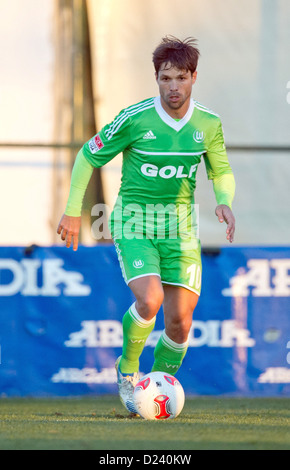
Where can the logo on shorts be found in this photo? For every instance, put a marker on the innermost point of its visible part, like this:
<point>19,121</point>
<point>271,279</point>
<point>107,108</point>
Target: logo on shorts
<point>138,263</point>
<point>198,136</point>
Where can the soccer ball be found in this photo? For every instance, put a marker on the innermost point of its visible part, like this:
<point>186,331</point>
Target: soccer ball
<point>158,396</point>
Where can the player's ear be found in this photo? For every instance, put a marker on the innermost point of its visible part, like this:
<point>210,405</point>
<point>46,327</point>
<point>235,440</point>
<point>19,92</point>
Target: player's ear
<point>194,76</point>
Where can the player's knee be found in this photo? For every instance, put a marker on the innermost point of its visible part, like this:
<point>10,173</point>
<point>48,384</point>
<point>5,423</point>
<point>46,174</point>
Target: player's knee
<point>178,330</point>
<point>149,304</point>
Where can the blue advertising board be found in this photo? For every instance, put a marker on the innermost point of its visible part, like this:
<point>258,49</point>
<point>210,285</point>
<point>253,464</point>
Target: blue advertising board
<point>61,323</point>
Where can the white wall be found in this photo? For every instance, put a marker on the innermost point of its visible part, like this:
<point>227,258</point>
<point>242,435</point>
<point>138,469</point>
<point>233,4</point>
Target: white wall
<point>26,115</point>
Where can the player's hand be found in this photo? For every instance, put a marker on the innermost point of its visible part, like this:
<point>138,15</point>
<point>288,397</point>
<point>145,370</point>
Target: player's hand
<point>69,228</point>
<point>224,214</point>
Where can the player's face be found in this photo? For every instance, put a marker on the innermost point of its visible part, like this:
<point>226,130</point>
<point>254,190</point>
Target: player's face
<point>175,89</point>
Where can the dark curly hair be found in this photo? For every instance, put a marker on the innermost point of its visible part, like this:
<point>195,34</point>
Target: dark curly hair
<point>183,55</point>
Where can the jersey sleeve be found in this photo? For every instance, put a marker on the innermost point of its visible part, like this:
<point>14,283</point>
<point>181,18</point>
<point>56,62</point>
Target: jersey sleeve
<point>216,159</point>
<point>81,175</point>
<point>224,188</point>
<point>218,168</point>
<point>110,141</point>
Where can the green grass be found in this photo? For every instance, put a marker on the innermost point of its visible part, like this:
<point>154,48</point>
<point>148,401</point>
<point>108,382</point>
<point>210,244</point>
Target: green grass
<point>102,423</point>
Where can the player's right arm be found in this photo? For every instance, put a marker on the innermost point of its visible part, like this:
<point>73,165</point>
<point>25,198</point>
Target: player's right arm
<point>70,223</point>
<point>99,150</point>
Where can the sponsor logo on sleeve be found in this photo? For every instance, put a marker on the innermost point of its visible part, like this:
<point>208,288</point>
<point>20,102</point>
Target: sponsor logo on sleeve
<point>96,144</point>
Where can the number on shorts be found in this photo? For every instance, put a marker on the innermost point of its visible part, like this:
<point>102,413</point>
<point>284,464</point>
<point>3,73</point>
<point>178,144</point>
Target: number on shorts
<point>195,276</point>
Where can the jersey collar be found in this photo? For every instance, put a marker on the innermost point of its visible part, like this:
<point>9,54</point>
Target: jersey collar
<point>177,125</point>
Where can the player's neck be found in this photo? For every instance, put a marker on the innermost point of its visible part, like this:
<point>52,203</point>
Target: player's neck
<point>175,113</point>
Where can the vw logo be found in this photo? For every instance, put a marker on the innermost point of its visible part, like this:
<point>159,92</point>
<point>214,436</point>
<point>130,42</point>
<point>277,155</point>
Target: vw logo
<point>198,136</point>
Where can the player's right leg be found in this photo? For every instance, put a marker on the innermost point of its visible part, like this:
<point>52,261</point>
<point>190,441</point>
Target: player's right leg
<point>139,321</point>
<point>136,329</point>
<point>140,267</point>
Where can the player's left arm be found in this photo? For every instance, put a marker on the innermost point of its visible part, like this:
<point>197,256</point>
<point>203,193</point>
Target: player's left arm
<point>224,189</point>
<point>220,172</point>
<point>225,214</point>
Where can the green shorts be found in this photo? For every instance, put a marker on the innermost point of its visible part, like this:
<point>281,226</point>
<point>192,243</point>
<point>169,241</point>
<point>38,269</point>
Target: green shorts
<point>176,261</point>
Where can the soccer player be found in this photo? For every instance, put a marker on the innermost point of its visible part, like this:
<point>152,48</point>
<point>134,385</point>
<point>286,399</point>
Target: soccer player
<point>163,139</point>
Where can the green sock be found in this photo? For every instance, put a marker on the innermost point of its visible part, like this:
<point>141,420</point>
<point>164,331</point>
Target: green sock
<point>168,355</point>
<point>135,333</point>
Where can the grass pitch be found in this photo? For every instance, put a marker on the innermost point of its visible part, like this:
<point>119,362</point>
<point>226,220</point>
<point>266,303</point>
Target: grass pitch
<point>102,423</point>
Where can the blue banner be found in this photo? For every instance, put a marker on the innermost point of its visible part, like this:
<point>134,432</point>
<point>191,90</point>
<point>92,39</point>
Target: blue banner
<point>61,323</point>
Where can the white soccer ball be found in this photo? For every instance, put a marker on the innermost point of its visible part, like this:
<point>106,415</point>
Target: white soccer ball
<point>158,396</point>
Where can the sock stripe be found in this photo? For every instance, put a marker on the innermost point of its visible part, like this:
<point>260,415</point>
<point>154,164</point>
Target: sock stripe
<point>170,344</point>
<point>141,322</point>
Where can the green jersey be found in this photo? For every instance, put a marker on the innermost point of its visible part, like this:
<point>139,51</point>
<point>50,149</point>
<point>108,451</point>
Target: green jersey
<point>160,155</point>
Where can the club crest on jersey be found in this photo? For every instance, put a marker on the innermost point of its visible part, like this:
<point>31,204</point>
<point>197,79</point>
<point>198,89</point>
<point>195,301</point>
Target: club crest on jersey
<point>96,144</point>
<point>198,136</point>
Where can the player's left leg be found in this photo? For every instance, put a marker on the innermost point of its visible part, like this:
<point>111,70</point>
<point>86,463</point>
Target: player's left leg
<point>179,304</point>
<point>180,263</point>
